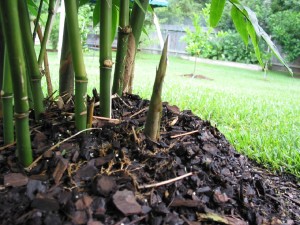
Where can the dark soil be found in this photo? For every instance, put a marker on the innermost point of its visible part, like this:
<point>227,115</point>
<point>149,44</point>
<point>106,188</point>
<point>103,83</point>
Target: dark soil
<point>112,175</point>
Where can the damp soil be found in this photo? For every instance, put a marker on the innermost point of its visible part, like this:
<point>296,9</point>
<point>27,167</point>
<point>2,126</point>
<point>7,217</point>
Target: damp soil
<point>115,175</point>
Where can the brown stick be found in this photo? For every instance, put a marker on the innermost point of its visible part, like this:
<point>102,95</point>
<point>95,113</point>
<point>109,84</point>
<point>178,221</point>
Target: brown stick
<point>165,182</point>
<point>7,146</point>
<point>184,134</point>
<point>137,113</point>
<point>46,64</point>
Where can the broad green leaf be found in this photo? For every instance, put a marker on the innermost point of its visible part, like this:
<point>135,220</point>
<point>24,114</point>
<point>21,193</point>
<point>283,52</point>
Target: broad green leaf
<point>274,49</point>
<point>261,33</point>
<point>96,14</point>
<point>216,10</point>
<point>32,7</point>
<point>150,9</point>
<point>83,2</point>
<point>254,40</point>
<point>115,21</point>
<point>240,23</point>
<point>140,5</point>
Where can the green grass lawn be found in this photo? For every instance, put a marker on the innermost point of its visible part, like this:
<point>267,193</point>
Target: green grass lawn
<point>261,118</point>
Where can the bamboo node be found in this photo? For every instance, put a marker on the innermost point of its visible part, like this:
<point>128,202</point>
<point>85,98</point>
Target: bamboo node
<point>83,113</point>
<point>21,115</point>
<point>6,96</point>
<point>108,63</point>
<point>81,81</point>
<point>36,79</point>
<point>125,30</point>
<point>25,98</point>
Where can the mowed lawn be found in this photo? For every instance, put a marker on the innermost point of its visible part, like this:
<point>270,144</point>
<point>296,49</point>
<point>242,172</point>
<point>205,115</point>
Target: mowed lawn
<point>261,118</point>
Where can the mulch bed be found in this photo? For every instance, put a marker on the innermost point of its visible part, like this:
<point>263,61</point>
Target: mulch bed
<point>115,175</point>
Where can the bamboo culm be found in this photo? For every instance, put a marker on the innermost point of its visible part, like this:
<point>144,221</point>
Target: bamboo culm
<point>12,31</point>
<point>78,64</point>
<point>152,126</point>
<point>32,64</point>
<point>7,103</point>
<point>123,33</point>
<point>66,70</point>
<point>105,57</point>
<point>46,32</point>
<point>136,22</point>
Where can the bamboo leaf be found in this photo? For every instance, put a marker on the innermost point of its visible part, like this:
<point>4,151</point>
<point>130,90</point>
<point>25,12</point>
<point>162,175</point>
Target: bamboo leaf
<point>216,10</point>
<point>254,40</point>
<point>32,7</point>
<point>261,33</point>
<point>240,23</point>
<point>115,21</point>
<point>83,2</point>
<point>96,14</point>
<point>140,5</point>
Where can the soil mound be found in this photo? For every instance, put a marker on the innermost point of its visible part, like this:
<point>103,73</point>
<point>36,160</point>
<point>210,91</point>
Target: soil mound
<point>115,175</point>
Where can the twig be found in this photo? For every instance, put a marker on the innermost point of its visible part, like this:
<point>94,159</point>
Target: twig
<point>135,136</point>
<point>117,96</point>
<point>184,134</point>
<point>165,182</point>
<point>107,119</point>
<point>186,220</point>
<point>56,145</point>
<point>293,200</point>
<point>137,220</point>
<point>7,146</point>
<point>142,110</point>
<point>121,221</point>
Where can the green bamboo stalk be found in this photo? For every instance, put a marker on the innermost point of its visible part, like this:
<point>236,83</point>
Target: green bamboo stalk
<point>37,19</point>
<point>152,126</point>
<point>66,71</point>
<point>1,56</point>
<point>46,65</point>
<point>7,103</point>
<point>12,31</point>
<point>78,63</point>
<point>105,57</point>
<point>32,64</point>
<point>136,21</point>
<point>46,32</point>
<point>124,30</point>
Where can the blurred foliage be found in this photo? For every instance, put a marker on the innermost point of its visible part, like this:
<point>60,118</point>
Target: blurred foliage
<point>227,45</point>
<point>284,26</point>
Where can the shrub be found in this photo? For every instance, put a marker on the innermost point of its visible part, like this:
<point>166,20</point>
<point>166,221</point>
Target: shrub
<point>284,27</point>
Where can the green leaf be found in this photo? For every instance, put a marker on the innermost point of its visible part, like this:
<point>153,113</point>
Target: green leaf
<point>261,33</point>
<point>96,14</point>
<point>150,9</point>
<point>32,7</point>
<point>115,21</point>
<point>240,23</point>
<point>83,2</point>
<point>216,10</point>
<point>140,5</point>
<point>254,40</point>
